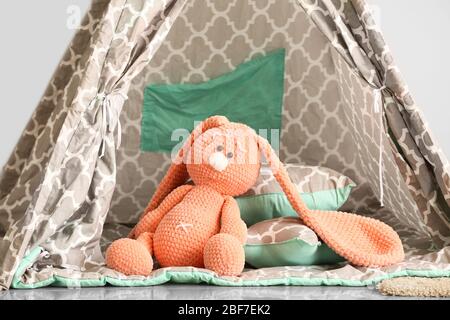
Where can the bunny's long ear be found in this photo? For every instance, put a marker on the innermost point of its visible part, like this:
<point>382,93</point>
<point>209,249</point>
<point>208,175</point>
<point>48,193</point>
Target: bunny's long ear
<point>177,174</point>
<point>282,177</point>
<point>362,241</point>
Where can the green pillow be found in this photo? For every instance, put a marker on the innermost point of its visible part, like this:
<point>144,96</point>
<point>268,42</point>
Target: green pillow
<point>251,94</point>
<point>319,187</point>
<point>286,242</point>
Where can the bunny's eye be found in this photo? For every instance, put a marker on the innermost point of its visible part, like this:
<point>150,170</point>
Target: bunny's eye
<point>230,155</point>
<point>219,148</point>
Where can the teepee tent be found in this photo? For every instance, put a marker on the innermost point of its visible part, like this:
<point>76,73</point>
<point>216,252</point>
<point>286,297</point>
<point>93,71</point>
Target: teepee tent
<point>78,178</point>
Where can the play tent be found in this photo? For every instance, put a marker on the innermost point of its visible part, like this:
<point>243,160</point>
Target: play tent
<point>66,192</point>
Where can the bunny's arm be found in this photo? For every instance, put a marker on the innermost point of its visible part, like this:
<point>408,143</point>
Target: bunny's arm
<point>231,222</point>
<point>151,219</point>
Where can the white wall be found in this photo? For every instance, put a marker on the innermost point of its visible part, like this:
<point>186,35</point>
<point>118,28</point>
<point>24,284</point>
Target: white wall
<point>418,33</point>
<point>34,35</point>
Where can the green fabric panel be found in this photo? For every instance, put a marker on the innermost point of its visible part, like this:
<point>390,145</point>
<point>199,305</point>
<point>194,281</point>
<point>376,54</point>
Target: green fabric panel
<point>251,94</point>
<point>295,252</point>
<point>269,206</point>
<point>197,277</point>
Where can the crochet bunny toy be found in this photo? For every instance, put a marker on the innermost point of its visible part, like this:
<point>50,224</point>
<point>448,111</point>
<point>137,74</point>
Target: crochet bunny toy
<point>199,225</point>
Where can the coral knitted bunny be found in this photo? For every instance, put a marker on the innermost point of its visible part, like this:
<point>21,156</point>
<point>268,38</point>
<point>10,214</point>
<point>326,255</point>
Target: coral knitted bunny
<point>199,225</point>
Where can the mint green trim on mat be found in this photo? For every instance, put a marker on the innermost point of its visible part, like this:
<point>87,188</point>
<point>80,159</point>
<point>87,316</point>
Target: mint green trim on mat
<point>199,277</point>
<point>24,264</point>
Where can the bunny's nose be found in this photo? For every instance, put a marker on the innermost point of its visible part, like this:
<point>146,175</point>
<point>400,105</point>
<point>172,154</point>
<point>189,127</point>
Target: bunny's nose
<point>218,161</point>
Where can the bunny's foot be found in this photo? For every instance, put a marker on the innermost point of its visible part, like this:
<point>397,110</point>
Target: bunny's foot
<point>224,254</point>
<point>131,257</point>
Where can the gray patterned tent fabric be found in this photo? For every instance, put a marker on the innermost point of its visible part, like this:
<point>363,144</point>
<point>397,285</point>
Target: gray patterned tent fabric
<point>57,194</point>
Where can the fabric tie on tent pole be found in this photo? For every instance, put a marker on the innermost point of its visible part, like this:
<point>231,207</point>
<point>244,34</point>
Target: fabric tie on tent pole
<point>378,108</point>
<point>110,108</point>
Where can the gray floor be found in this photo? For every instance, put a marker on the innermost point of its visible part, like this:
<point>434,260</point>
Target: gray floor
<point>196,292</point>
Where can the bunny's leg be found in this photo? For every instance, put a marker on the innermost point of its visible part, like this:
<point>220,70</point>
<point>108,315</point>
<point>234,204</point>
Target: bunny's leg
<point>224,252</point>
<point>134,257</point>
<point>131,257</point>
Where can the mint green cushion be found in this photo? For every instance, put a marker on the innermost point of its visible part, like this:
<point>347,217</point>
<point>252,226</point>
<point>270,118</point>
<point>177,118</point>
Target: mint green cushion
<point>251,94</point>
<point>286,242</point>
<point>256,208</point>
<point>294,252</point>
